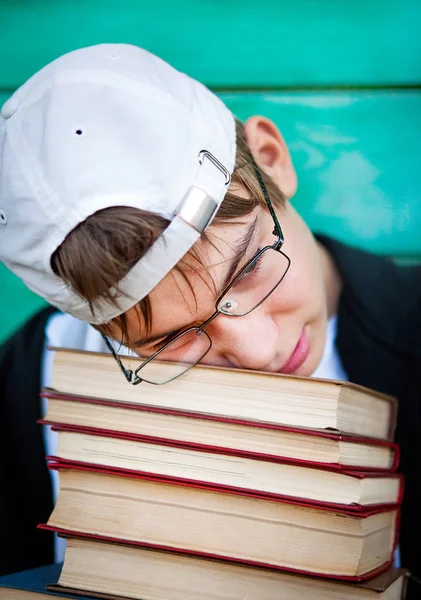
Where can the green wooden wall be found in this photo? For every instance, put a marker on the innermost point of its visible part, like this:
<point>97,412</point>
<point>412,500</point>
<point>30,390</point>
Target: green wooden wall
<point>341,78</point>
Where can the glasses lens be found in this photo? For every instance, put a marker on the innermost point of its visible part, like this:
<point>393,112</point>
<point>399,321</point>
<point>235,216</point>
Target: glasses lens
<point>255,283</point>
<point>176,358</point>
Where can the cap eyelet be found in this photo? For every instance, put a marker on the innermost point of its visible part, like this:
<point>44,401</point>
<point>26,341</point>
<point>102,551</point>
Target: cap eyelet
<point>3,218</point>
<point>79,132</point>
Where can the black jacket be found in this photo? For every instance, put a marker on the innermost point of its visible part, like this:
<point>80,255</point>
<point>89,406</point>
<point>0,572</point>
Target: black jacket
<point>25,483</point>
<point>379,341</point>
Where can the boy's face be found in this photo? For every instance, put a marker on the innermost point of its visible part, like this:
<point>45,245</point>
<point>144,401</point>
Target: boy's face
<point>285,334</point>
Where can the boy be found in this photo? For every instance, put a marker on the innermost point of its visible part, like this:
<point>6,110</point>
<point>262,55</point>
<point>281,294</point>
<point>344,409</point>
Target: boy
<point>132,200</point>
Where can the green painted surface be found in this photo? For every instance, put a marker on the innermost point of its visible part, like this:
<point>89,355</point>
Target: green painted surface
<point>17,303</point>
<point>358,159</point>
<point>235,43</point>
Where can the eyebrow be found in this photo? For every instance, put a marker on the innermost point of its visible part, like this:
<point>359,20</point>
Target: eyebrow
<point>241,251</point>
<point>154,338</point>
<point>243,246</point>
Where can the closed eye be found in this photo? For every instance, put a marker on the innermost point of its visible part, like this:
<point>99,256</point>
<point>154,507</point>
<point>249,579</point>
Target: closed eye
<point>251,269</point>
<point>146,349</point>
<point>149,350</point>
<point>171,338</point>
<point>158,345</point>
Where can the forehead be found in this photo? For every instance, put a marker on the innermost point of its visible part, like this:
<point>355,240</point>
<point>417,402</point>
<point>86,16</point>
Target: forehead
<point>189,292</point>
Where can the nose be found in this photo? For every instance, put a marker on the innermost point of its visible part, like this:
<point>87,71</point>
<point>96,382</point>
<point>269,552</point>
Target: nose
<point>247,342</point>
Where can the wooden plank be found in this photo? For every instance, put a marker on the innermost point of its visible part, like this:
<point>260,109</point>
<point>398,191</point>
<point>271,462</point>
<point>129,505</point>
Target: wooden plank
<point>240,43</point>
<point>358,159</point>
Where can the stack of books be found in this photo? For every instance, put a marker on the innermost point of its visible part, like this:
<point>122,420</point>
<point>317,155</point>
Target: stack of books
<point>223,484</point>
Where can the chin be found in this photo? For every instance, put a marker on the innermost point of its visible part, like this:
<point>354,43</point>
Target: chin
<point>310,364</point>
<point>305,370</point>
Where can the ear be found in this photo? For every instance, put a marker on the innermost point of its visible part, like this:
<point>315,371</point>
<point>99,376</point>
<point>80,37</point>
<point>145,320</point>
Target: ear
<point>271,153</point>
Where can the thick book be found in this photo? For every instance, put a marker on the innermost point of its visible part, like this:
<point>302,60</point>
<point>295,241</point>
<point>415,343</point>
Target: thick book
<point>244,527</point>
<point>234,393</point>
<point>122,572</point>
<point>32,585</point>
<point>268,477</point>
<point>156,575</point>
<point>323,448</point>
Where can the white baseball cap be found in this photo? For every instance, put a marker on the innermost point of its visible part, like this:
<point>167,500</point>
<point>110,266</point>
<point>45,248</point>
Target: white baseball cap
<point>109,125</point>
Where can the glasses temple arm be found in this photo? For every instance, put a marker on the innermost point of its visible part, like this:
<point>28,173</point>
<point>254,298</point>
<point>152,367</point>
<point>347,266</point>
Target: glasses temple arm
<point>278,230</point>
<point>128,373</point>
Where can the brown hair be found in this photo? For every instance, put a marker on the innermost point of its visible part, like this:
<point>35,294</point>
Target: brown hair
<point>115,238</point>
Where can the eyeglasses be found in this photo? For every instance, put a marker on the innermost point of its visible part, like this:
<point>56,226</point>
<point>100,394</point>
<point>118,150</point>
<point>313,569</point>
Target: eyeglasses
<point>248,290</point>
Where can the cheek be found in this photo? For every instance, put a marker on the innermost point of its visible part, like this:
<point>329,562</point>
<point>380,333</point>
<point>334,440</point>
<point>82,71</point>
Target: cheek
<point>301,292</point>
<point>299,304</point>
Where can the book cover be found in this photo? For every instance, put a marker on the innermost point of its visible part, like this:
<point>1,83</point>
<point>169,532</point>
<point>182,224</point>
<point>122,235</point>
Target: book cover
<point>200,554</point>
<point>41,583</point>
<point>159,575</point>
<point>244,515</point>
<point>236,393</point>
<point>239,426</point>
<point>362,511</point>
<point>266,476</point>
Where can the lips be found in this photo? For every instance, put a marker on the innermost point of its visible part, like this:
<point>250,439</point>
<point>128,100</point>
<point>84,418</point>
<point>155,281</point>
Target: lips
<point>298,355</point>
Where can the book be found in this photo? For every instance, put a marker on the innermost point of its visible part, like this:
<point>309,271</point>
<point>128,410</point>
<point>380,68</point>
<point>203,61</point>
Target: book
<point>153,424</point>
<point>122,572</point>
<point>156,575</point>
<point>272,477</point>
<point>195,519</point>
<point>32,584</point>
<point>233,393</point>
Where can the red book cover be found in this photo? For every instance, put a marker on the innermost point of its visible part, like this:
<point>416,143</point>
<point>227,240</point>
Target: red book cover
<point>332,435</point>
<point>68,533</point>
<point>223,451</point>
<point>361,514</point>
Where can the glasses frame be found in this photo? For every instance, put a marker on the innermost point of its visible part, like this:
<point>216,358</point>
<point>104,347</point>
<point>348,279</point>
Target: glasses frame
<point>133,378</point>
